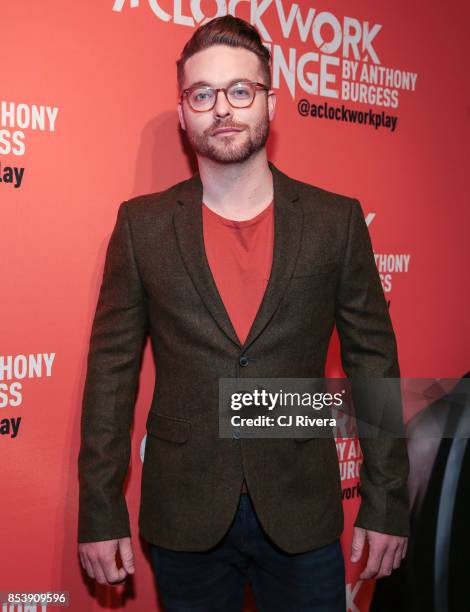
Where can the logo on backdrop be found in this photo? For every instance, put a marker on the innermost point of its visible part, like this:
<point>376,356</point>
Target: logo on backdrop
<point>389,264</point>
<point>340,66</point>
<point>16,120</point>
<point>13,370</point>
<point>350,460</point>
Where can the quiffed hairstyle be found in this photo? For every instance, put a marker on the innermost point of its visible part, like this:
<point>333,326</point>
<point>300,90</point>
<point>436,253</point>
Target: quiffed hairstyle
<point>226,30</point>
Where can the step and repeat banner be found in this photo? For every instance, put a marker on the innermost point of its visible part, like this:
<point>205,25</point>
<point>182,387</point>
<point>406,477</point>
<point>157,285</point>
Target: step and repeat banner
<point>373,103</point>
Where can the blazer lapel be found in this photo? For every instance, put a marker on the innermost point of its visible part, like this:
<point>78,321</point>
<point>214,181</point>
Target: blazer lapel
<point>288,222</point>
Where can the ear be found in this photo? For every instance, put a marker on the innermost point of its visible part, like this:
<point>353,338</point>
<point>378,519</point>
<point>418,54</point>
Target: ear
<point>181,116</point>
<point>272,99</point>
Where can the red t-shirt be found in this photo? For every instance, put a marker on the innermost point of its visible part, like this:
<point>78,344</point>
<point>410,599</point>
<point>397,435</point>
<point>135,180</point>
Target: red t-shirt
<point>240,257</point>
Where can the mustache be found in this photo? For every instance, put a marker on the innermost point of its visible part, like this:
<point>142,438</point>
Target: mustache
<point>227,124</point>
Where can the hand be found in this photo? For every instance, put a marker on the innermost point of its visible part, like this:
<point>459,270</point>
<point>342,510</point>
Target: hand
<point>98,559</point>
<point>385,552</point>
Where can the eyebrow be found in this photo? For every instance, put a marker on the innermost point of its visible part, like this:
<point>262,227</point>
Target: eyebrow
<point>206,84</point>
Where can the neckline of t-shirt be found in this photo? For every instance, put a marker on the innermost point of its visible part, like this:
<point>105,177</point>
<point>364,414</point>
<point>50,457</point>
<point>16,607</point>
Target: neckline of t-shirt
<point>234,223</point>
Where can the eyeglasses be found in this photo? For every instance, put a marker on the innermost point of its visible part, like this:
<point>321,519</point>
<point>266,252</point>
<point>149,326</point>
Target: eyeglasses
<point>202,98</point>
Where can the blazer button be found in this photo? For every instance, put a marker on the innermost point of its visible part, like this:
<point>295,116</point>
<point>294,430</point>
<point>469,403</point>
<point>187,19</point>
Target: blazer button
<point>236,434</point>
<point>243,361</point>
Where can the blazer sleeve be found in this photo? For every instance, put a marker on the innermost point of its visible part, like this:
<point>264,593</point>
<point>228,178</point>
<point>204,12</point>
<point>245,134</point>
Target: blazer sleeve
<point>369,350</point>
<point>117,339</point>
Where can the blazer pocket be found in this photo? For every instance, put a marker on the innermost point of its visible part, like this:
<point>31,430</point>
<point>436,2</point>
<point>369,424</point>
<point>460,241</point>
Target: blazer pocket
<point>168,428</point>
<point>308,269</point>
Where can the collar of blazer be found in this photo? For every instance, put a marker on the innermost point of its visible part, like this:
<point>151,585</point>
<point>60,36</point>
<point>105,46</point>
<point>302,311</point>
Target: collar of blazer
<point>288,224</point>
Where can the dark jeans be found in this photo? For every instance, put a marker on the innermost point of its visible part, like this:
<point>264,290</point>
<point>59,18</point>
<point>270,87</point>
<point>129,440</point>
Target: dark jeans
<point>214,580</point>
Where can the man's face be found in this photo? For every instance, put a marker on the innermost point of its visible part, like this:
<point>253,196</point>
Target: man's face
<point>220,66</point>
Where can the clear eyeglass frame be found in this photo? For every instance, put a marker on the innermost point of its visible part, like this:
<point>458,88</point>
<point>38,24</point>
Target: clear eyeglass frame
<point>208,104</point>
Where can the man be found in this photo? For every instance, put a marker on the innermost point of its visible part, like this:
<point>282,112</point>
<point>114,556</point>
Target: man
<point>239,271</point>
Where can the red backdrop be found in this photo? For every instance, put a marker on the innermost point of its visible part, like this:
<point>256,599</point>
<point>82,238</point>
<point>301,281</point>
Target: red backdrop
<point>88,119</point>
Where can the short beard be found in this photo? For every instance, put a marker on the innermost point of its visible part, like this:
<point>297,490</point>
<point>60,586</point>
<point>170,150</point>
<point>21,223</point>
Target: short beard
<point>229,153</point>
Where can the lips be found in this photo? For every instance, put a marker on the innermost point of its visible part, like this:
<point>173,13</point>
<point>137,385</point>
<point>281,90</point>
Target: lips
<point>226,130</point>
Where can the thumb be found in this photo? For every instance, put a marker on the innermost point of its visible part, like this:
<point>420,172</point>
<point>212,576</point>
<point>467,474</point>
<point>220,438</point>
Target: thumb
<point>127,555</point>
<point>357,546</point>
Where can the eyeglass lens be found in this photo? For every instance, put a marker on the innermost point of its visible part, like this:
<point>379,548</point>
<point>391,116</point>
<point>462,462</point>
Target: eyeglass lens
<point>238,95</point>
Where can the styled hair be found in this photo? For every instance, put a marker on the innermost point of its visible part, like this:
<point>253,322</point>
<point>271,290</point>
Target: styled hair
<point>226,30</point>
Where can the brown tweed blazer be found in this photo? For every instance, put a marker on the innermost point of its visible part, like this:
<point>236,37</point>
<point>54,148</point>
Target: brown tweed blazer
<point>157,281</point>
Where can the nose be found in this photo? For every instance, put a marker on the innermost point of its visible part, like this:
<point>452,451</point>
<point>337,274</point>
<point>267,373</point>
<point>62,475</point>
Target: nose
<point>222,107</point>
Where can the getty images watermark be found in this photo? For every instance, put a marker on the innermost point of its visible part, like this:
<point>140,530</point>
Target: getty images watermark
<point>343,408</point>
